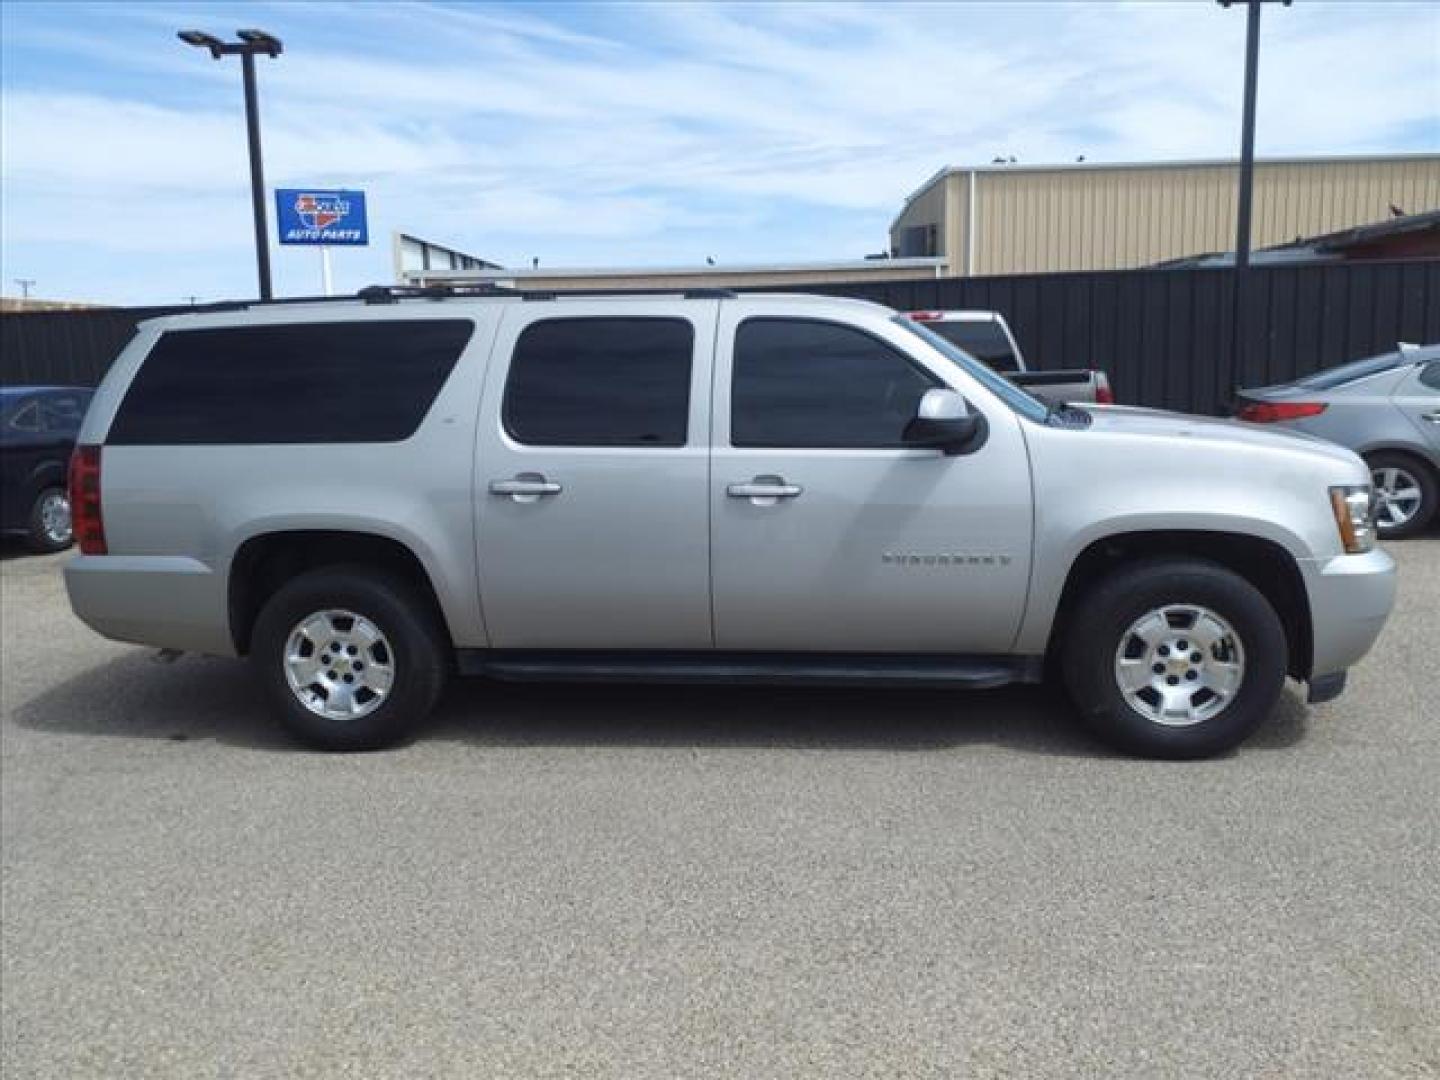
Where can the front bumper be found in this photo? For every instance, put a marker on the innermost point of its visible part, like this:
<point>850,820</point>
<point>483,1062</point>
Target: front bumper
<point>169,601</point>
<point>1351,596</point>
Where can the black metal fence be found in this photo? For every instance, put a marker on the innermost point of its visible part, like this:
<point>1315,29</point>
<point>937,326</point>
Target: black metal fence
<point>1165,336</point>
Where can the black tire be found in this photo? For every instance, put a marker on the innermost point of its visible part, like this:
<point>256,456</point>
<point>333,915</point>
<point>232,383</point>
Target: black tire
<point>1424,480</point>
<point>38,534</point>
<point>412,632</point>
<point>1101,623</point>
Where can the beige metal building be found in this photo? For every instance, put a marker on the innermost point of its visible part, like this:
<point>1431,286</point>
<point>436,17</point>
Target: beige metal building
<point>1019,219</point>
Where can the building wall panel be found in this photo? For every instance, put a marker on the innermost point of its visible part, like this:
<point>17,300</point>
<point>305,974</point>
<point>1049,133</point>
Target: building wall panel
<point>1103,218</point>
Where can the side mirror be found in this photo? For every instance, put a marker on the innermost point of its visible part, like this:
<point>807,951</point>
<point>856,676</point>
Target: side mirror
<point>944,421</point>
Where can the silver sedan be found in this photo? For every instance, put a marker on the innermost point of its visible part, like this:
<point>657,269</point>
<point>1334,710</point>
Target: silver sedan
<point>1387,409</point>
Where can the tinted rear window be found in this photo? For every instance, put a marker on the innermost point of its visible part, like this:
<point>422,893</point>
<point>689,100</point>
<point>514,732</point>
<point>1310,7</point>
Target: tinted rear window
<point>984,341</point>
<point>297,383</point>
<point>1347,373</point>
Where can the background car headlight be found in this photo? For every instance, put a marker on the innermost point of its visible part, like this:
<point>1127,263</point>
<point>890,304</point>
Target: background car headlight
<point>1355,517</point>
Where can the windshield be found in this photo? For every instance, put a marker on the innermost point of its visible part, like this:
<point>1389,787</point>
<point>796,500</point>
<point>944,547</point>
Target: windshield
<point>998,385</point>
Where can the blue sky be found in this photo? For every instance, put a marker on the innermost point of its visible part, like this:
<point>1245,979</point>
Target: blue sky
<point>654,133</point>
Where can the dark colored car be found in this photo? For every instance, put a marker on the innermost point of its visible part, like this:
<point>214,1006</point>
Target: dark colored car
<point>38,425</point>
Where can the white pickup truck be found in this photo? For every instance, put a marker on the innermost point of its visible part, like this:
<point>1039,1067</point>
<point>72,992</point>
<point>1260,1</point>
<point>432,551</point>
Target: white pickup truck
<point>986,336</point>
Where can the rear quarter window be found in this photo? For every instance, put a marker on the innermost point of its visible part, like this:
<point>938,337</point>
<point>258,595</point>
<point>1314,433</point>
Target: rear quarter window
<point>329,382</point>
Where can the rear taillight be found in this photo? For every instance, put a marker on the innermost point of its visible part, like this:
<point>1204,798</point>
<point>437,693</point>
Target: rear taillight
<point>1270,412</point>
<point>926,316</point>
<point>1103,394</point>
<point>85,514</point>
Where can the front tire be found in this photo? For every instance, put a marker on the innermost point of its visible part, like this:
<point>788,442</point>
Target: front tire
<point>1174,658</point>
<point>1406,494</point>
<point>49,528</point>
<point>349,657</point>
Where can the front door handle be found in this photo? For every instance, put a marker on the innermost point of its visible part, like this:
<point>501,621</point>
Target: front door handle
<point>526,487</point>
<point>1433,417</point>
<point>764,490</point>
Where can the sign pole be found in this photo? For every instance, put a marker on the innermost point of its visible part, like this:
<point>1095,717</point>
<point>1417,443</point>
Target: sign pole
<point>326,283</point>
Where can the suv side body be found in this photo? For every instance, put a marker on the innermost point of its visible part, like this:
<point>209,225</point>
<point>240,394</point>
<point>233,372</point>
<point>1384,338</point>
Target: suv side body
<point>666,486</point>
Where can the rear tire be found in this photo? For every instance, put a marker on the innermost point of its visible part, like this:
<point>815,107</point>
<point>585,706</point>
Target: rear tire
<point>1395,475</point>
<point>49,528</point>
<point>1174,658</point>
<point>351,658</point>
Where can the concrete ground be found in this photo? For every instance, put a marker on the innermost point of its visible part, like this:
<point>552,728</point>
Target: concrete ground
<point>649,882</point>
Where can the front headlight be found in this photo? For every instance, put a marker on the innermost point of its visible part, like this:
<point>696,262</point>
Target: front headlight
<point>1354,508</point>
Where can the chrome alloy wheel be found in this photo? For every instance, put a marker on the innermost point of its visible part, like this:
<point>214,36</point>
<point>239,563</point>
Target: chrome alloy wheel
<point>1397,496</point>
<point>55,518</point>
<point>1179,665</point>
<point>339,665</point>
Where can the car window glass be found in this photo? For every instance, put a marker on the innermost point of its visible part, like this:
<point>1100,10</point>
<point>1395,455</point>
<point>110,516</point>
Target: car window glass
<point>600,382</point>
<point>800,382</point>
<point>62,412</point>
<point>319,382</point>
<point>26,417</point>
<point>983,340</point>
<point>1331,378</point>
<point>1430,375</point>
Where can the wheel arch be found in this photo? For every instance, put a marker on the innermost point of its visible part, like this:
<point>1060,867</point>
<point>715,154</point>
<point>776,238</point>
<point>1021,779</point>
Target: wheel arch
<point>1264,563</point>
<point>1409,450</point>
<point>265,562</point>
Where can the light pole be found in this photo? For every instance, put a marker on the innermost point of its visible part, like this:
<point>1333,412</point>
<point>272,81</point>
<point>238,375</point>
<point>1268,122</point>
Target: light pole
<point>26,284</point>
<point>1247,128</point>
<point>251,43</point>
<point>1245,199</point>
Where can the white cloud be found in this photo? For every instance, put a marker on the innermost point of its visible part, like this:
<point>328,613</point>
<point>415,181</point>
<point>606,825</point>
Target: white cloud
<point>657,132</point>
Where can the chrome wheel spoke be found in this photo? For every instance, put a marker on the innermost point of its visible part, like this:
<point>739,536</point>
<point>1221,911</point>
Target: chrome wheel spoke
<point>1220,678</point>
<point>1151,629</point>
<point>315,629</point>
<point>365,634</point>
<point>1175,706</point>
<point>1133,675</point>
<point>304,669</point>
<point>1208,632</point>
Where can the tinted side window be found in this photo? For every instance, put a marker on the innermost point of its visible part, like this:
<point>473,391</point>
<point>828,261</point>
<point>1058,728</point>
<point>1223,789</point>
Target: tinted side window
<point>600,382</point>
<point>297,383</point>
<point>1430,375</point>
<point>806,383</point>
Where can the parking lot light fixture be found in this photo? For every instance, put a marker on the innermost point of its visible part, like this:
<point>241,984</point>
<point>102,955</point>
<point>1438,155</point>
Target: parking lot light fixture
<point>251,44</point>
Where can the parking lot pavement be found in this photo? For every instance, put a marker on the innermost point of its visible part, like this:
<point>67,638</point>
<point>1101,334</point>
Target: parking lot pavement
<point>657,882</point>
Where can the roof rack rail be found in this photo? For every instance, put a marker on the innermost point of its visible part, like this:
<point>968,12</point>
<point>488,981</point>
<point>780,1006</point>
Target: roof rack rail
<point>389,294</point>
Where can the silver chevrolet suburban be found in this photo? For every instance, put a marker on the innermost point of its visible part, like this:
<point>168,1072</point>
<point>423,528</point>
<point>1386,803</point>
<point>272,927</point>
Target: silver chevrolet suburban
<point>364,496</point>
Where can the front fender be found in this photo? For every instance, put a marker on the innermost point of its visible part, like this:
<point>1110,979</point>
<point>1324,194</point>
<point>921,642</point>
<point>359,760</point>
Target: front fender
<point>1052,565</point>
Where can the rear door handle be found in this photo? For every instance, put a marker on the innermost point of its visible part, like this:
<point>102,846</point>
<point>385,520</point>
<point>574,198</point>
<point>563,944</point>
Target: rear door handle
<point>526,487</point>
<point>765,490</point>
<point>1433,417</point>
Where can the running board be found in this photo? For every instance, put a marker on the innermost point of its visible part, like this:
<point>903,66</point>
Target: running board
<point>799,669</point>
